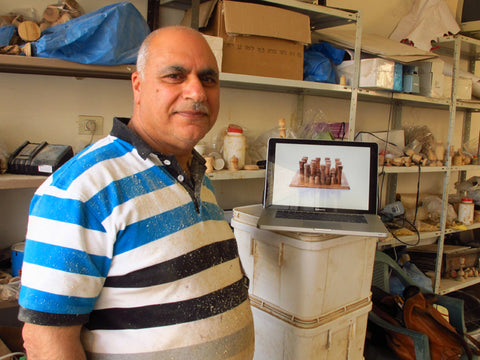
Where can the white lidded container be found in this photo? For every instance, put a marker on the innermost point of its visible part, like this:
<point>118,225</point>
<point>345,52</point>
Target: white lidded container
<point>234,145</point>
<point>466,210</point>
<point>305,275</point>
<point>334,336</point>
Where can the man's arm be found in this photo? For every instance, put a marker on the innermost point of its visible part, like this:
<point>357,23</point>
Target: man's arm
<point>53,342</point>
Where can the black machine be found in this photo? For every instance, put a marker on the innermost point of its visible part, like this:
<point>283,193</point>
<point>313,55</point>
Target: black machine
<point>38,158</point>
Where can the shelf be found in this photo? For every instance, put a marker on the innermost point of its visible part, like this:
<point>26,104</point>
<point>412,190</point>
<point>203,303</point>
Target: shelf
<point>450,285</point>
<point>425,169</point>
<point>465,168</point>
<point>411,169</point>
<point>237,175</point>
<point>43,66</point>
<point>469,47</point>
<point>412,239</point>
<point>14,181</point>
<point>321,17</point>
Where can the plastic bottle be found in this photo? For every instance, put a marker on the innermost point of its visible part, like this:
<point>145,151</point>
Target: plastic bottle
<point>466,211</point>
<point>234,145</point>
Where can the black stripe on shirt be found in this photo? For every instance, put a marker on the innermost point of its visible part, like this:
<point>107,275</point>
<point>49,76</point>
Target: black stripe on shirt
<point>44,318</point>
<point>150,316</point>
<point>178,268</point>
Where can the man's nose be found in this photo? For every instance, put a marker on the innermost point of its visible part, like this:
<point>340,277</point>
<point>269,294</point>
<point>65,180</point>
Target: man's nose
<point>194,89</point>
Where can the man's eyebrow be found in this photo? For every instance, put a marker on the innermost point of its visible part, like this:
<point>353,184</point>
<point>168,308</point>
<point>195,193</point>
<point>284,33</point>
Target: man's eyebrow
<point>174,68</point>
<point>208,72</point>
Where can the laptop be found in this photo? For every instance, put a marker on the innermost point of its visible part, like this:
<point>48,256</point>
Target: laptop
<point>321,186</point>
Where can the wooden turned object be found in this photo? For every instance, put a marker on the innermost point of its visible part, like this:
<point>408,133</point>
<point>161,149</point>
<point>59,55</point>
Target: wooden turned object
<point>29,31</point>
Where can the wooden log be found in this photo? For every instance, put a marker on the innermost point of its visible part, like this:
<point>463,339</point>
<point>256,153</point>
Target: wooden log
<point>17,20</point>
<point>29,31</point>
<point>416,158</point>
<point>51,14</point>
<point>45,25</point>
<point>63,19</point>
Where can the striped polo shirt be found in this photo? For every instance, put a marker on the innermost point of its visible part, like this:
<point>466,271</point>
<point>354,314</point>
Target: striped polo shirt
<point>119,243</point>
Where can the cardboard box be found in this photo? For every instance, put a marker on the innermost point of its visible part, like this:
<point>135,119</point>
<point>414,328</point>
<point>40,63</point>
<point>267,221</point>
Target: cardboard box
<point>375,73</point>
<point>464,87</point>
<point>431,77</point>
<point>260,40</point>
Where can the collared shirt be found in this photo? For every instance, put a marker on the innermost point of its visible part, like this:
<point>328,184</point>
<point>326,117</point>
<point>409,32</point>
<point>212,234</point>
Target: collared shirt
<point>114,244</point>
<point>192,183</point>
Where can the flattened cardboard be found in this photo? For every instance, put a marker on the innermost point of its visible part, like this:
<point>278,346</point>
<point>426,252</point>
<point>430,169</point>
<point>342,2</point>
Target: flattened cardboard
<point>375,44</point>
<point>216,44</point>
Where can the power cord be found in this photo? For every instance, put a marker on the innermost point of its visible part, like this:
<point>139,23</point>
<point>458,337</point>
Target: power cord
<point>91,126</point>
<point>8,356</point>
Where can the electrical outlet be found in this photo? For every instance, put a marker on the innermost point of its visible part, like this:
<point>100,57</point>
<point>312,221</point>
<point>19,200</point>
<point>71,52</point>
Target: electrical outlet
<point>90,125</point>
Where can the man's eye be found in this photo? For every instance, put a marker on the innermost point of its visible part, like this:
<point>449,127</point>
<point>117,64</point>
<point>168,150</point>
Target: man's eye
<point>209,80</point>
<point>174,77</point>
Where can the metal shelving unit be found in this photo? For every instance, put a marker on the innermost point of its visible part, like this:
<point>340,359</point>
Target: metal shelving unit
<point>321,17</point>
<point>458,47</point>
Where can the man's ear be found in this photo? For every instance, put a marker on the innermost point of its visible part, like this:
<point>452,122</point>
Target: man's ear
<point>136,85</point>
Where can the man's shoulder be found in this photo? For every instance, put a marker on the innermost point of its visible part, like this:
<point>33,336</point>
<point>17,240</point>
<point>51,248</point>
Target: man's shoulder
<point>108,155</point>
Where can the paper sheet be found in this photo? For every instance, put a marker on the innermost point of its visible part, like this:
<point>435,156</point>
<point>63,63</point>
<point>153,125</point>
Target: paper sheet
<point>428,20</point>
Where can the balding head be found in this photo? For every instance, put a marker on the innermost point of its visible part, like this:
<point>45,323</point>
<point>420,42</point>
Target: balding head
<point>158,34</point>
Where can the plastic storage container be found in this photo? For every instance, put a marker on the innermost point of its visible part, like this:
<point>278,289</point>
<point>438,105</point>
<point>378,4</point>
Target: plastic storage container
<point>18,250</point>
<point>466,210</point>
<point>334,337</point>
<point>234,145</point>
<point>303,274</point>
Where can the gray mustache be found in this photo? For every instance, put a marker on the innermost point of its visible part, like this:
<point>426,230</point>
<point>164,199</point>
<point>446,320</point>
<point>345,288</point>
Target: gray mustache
<point>194,106</point>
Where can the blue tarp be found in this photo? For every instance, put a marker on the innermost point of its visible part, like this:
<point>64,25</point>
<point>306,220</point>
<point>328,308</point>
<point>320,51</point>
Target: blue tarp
<point>319,60</point>
<point>6,33</point>
<point>111,35</point>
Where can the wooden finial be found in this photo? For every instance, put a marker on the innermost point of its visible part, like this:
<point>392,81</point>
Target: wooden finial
<point>233,163</point>
<point>282,130</point>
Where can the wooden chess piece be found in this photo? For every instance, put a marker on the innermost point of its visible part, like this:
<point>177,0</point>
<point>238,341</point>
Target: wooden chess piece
<point>461,272</point>
<point>209,164</point>
<point>233,163</point>
<point>282,130</point>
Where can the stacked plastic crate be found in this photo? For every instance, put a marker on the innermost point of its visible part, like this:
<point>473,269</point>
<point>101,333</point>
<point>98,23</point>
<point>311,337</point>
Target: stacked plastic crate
<point>310,294</point>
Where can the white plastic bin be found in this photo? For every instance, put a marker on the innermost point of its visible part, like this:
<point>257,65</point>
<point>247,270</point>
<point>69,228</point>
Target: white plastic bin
<point>305,275</point>
<point>342,337</point>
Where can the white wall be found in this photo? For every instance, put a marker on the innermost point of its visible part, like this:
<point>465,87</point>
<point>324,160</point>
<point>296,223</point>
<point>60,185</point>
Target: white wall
<point>38,108</point>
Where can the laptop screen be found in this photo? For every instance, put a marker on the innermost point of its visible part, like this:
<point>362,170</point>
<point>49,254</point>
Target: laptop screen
<point>320,175</point>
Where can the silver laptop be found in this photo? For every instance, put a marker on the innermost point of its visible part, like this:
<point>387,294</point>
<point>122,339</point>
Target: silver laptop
<point>320,186</point>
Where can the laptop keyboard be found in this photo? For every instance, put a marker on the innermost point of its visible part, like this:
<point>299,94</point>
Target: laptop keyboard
<point>301,215</point>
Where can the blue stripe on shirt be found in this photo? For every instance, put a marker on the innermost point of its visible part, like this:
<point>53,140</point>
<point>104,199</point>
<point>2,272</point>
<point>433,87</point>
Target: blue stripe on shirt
<point>83,161</point>
<point>56,304</point>
<point>63,210</point>
<point>156,227</point>
<point>66,259</point>
<point>125,189</point>
<point>164,224</point>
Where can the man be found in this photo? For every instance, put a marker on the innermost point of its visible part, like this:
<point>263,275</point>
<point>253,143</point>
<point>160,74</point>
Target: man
<point>127,253</point>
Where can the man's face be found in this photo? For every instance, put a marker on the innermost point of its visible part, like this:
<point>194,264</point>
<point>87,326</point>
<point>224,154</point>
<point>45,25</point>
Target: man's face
<point>178,98</point>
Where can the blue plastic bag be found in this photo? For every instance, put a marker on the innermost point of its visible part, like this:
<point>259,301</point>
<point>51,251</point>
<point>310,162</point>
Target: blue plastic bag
<point>319,60</point>
<point>397,287</point>
<point>6,33</point>
<point>111,35</point>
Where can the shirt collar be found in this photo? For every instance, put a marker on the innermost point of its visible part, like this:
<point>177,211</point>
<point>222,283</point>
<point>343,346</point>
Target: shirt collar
<point>121,130</point>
